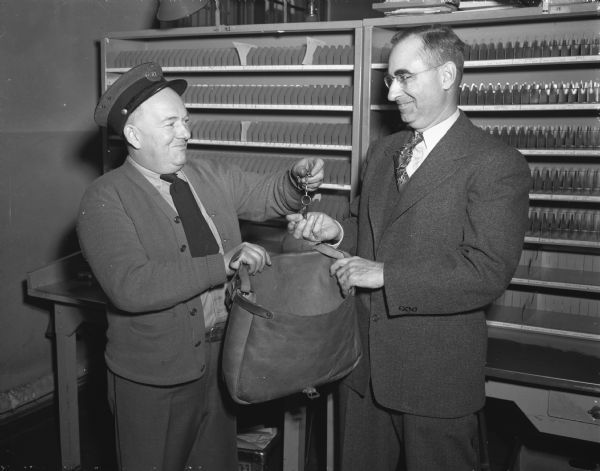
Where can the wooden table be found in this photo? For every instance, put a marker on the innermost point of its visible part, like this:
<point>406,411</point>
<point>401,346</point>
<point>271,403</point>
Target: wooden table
<point>554,380</point>
<point>76,299</point>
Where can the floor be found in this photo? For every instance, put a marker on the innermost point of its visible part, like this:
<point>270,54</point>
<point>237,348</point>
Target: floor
<point>31,441</point>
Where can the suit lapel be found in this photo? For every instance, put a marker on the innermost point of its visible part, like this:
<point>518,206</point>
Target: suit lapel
<point>441,163</point>
<point>383,185</point>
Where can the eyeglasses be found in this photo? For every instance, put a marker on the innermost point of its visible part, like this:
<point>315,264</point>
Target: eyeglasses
<point>405,77</point>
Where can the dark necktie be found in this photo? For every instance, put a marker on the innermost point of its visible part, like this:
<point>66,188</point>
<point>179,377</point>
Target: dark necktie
<point>403,156</point>
<point>199,236</point>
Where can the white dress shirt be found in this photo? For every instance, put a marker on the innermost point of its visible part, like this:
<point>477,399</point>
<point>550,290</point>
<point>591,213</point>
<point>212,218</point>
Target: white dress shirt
<point>431,137</point>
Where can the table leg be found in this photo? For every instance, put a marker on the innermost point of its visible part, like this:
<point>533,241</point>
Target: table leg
<point>66,320</point>
<point>294,438</point>
<point>330,432</point>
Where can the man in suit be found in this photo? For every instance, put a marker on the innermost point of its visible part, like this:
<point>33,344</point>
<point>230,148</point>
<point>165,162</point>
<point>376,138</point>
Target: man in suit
<point>437,237</point>
<point>165,282</point>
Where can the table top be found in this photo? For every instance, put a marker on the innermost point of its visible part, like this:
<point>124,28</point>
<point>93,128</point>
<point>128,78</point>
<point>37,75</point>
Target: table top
<point>545,360</point>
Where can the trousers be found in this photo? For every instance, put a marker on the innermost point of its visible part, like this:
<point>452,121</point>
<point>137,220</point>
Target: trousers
<point>187,427</point>
<point>376,438</point>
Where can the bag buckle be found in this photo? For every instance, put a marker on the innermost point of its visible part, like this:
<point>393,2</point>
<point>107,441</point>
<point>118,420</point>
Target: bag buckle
<point>311,392</point>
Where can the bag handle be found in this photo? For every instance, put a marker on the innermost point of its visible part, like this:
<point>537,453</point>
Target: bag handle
<point>242,273</point>
<point>329,251</point>
<point>244,296</point>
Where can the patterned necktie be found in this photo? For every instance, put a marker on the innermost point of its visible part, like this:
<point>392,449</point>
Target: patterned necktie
<point>200,238</point>
<point>403,156</point>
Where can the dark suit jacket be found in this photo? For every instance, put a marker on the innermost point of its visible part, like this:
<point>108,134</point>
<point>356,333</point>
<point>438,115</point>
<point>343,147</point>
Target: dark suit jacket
<point>450,244</point>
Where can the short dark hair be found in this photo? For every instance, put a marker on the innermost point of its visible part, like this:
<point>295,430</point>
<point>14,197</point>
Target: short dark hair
<point>440,45</point>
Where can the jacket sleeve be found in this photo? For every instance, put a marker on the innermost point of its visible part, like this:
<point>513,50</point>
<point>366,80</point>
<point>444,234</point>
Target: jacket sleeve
<point>258,197</point>
<point>116,246</point>
<point>351,224</point>
<point>350,227</point>
<point>473,273</point>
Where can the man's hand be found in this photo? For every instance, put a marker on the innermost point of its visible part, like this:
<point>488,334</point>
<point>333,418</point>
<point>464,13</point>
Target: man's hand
<point>312,166</point>
<point>253,256</point>
<point>316,227</point>
<point>356,271</point>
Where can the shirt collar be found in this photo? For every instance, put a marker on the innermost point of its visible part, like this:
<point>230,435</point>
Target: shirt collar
<point>434,134</point>
<point>150,175</point>
<point>143,170</point>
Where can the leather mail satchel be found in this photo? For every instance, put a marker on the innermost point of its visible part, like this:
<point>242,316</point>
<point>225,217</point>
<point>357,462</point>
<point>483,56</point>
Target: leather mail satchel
<point>289,330</point>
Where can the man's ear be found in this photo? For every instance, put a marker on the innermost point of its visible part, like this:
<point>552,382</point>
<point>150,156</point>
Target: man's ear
<point>449,75</point>
<point>132,136</point>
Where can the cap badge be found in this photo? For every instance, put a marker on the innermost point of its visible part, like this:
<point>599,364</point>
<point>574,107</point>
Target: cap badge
<point>153,75</point>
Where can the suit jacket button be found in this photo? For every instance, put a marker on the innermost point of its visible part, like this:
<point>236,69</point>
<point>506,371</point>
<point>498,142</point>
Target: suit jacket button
<point>193,312</point>
<point>197,344</point>
<point>375,318</point>
<point>177,219</point>
<point>182,248</point>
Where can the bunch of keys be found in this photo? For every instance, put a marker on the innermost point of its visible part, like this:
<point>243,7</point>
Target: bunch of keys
<point>306,199</point>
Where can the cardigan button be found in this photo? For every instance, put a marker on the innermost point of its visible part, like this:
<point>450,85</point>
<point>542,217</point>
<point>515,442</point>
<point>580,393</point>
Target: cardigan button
<point>183,248</point>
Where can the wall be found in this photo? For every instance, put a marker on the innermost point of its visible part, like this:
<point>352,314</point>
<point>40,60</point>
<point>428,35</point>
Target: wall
<point>49,153</point>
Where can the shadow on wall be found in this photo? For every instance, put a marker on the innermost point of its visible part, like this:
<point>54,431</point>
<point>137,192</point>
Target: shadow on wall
<point>43,200</point>
<point>51,151</point>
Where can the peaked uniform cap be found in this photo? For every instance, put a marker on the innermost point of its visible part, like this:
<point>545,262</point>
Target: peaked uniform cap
<point>129,91</point>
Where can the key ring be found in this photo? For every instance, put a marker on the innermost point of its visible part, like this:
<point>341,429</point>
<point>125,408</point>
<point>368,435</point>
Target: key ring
<point>305,199</point>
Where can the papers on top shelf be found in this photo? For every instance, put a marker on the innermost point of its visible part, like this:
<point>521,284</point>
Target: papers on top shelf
<point>414,7</point>
<point>486,4</point>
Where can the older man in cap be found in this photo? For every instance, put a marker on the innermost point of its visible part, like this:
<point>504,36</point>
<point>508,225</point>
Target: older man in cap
<point>161,235</point>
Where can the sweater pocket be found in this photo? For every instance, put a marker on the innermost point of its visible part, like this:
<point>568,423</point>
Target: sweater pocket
<point>156,335</point>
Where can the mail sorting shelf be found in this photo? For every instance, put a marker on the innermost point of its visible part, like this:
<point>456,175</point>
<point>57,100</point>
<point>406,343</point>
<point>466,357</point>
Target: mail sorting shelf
<point>532,79</point>
<point>268,97</point>
<point>566,180</point>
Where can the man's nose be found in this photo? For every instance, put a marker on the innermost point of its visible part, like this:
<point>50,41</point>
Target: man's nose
<point>395,90</point>
<point>184,131</point>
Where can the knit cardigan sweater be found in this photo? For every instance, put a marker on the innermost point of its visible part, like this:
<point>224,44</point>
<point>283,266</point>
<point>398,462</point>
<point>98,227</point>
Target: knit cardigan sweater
<point>137,250</point>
